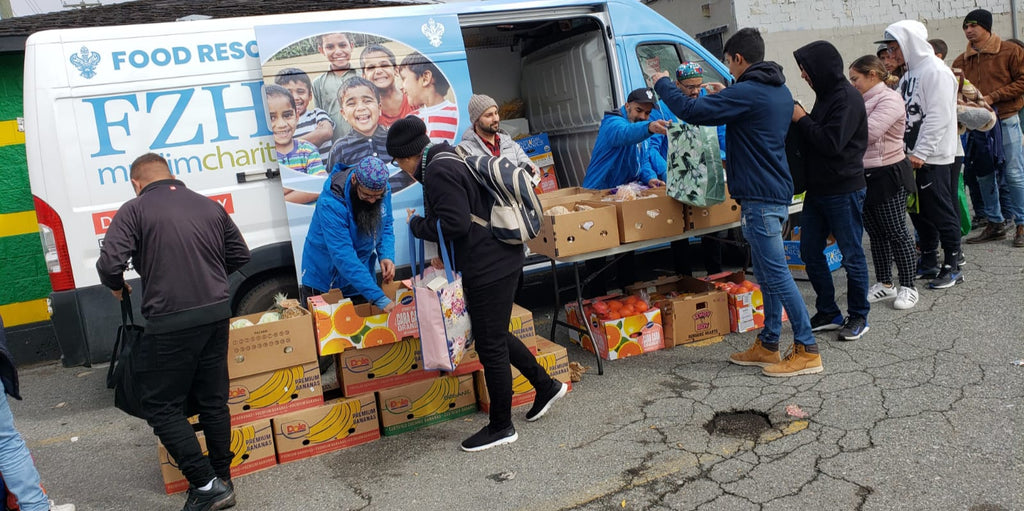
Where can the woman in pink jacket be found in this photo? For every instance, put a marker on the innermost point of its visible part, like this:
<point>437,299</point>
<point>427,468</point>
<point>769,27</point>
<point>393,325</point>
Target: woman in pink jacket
<point>889,179</point>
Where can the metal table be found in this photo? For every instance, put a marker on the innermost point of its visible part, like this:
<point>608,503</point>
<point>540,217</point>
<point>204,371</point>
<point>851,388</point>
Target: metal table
<point>617,253</point>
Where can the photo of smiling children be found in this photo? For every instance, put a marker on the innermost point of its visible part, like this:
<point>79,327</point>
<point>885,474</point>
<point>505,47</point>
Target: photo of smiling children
<point>360,106</point>
<point>315,126</point>
<point>337,49</point>
<point>293,154</point>
<point>380,67</point>
<point>426,86</point>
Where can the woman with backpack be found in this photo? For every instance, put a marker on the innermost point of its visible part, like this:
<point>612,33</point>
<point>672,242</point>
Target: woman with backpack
<point>490,271</point>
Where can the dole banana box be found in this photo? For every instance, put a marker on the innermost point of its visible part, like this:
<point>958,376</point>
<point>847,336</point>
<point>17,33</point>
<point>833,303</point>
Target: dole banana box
<point>338,424</point>
<point>618,338</point>
<point>371,369</point>
<point>264,395</point>
<point>253,445</point>
<point>520,324</point>
<point>697,311</point>
<point>552,357</point>
<point>746,310</point>
<point>417,405</point>
<point>341,324</point>
<point>268,346</point>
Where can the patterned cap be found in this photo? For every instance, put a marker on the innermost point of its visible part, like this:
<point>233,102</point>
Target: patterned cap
<point>372,173</point>
<point>688,70</point>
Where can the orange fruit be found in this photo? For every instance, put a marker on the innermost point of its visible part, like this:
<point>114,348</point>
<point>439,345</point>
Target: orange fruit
<point>378,337</point>
<point>346,321</point>
<point>612,334</point>
<point>641,307</point>
<point>324,326</point>
<point>614,305</point>
<point>336,345</point>
<point>630,349</point>
<point>627,311</point>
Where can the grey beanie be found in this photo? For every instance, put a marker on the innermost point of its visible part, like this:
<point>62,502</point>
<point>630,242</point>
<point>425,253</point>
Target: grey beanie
<point>478,104</point>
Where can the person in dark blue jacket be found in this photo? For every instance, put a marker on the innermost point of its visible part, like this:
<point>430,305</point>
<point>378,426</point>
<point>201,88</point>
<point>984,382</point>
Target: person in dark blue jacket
<point>756,111</point>
<point>352,228</point>
<point>835,136</point>
<point>621,154</point>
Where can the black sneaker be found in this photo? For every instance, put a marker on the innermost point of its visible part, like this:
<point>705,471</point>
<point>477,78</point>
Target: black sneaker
<point>220,496</point>
<point>821,322</point>
<point>961,259</point>
<point>854,328</point>
<point>927,273</point>
<point>485,439</point>
<point>541,404</point>
<point>947,278</point>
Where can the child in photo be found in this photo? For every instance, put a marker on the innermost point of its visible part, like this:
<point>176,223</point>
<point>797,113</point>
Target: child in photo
<point>426,88</point>
<point>379,67</point>
<point>360,106</point>
<point>314,126</point>
<point>337,49</point>
<point>292,153</point>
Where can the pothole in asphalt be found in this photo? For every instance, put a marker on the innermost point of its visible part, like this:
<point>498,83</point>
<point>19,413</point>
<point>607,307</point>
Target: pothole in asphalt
<point>746,424</point>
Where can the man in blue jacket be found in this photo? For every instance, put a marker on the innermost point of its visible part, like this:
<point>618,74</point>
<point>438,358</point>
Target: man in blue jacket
<point>351,229</point>
<point>756,111</point>
<point>620,153</point>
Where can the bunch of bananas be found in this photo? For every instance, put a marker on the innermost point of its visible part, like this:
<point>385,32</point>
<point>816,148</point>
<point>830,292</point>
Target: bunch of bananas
<point>240,438</point>
<point>398,360</point>
<point>438,399</point>
<point>339,423</point>
<point>277,390</point>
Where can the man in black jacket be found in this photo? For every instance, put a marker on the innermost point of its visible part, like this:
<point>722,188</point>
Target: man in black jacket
<point>183,245</point>
<point>835,137</point>
<point>490,271</point>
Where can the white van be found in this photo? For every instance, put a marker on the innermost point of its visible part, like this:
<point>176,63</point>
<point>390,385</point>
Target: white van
<point>96,98</point>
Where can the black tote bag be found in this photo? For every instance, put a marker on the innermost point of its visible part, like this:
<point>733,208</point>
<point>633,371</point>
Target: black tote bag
<point>121,373</point>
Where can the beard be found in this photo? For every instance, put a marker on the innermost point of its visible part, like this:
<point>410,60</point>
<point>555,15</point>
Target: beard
<point>366,215</point>
<point>487,128</point>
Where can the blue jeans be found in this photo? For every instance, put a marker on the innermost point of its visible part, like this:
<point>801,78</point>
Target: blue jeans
<point>839,215</point>
<point>16,465</point>
<point>1014,175</point>
<point>762,227</point>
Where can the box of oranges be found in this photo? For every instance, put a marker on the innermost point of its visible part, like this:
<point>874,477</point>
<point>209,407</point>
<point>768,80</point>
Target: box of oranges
<point>746,302</point>
<point>623,326</point>
<point>341,324</point>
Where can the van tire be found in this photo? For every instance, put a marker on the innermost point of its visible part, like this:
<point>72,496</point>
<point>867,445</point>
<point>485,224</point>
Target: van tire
<point>260,297</point>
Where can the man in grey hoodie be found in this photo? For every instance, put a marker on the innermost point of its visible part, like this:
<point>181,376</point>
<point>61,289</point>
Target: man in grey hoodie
<point>929,89</point>
<point>486,138</point>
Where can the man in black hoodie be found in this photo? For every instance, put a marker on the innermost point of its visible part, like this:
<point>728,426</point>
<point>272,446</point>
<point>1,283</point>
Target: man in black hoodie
<point>490,273</point>
<point>835,136</point>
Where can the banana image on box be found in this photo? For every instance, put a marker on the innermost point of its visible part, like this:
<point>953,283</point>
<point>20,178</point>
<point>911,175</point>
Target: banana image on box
<point>439,398</point>
<point>339,424</point>
<point>252,445</point>
<point>399,359</point>
<point>420,404</point>
<point>277,390</point>
<point>370,369</point>
<point>265,395</point>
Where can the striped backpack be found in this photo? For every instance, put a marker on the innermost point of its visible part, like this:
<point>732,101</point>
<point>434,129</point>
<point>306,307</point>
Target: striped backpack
<point>516,212</point>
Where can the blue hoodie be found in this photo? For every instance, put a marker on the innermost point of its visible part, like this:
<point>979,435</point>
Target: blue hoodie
<point>756,110</point>
<point>620,153</point>
<point>337,254</point>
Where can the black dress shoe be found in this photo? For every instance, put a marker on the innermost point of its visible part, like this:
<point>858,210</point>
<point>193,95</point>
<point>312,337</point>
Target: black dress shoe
<point>220,496</point>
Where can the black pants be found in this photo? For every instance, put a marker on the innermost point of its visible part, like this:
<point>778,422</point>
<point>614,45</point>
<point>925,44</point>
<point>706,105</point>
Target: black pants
<point>490,308</point>
<point>938,222</point>
<point>189,369</point>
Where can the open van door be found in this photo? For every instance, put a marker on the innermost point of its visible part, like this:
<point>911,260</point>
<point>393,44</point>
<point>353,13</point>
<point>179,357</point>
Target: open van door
<point>375,49</point>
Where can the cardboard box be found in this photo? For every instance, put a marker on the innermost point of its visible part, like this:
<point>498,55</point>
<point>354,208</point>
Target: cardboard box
<point>576,232</point>
<point>552,357</point>
<point>471,359</point>
<point>618,338</point>
<point>261,348</point>
<point>746,309</point>
<point>798,268</point>
<point>342,325</point>
<point>649,218</point>
<point>338,424</point>
<point>538,149</point>
<point>253,445</point>
<point>261,396</point>
<point>560,195</point>
<point>521,323</point>
<point>713,216</point>
<point>417,405</point>
<point>372,369</point>
<point>699,312</point>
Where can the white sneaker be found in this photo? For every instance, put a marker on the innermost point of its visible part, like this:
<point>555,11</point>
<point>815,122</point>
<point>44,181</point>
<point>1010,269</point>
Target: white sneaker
<point>906,298</point>
<point>880,291</point>
<point>61,507</point>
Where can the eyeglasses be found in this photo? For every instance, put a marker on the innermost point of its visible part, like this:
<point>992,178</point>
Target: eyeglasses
<point>693,88</point>
<point>367,196</point>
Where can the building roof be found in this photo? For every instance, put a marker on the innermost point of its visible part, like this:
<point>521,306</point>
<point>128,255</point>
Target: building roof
<point>14,31</point>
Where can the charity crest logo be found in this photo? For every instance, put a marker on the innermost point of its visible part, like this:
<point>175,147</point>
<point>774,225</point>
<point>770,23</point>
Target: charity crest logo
<point>85,61</point>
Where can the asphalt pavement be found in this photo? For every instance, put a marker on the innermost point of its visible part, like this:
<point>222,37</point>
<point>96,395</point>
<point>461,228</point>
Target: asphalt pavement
<point>923,413</point>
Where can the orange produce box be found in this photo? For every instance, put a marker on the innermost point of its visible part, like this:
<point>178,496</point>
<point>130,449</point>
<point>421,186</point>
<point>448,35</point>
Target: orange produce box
<point>746,302</point>
<point>253,445</point>
<point>634,334</point>
<point>341,325</point>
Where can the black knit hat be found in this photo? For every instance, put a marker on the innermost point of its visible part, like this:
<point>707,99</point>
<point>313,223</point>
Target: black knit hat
<point>980,16</point>
<point>407,137</point>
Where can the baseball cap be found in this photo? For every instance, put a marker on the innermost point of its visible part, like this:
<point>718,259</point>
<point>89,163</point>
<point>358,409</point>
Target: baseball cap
<point>887,37</point>
<point>643,95</point>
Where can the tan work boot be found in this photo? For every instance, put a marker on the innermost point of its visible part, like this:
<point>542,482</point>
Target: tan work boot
<point>797,362</point>
<point>757,355</point>
<point>1018,238</point>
